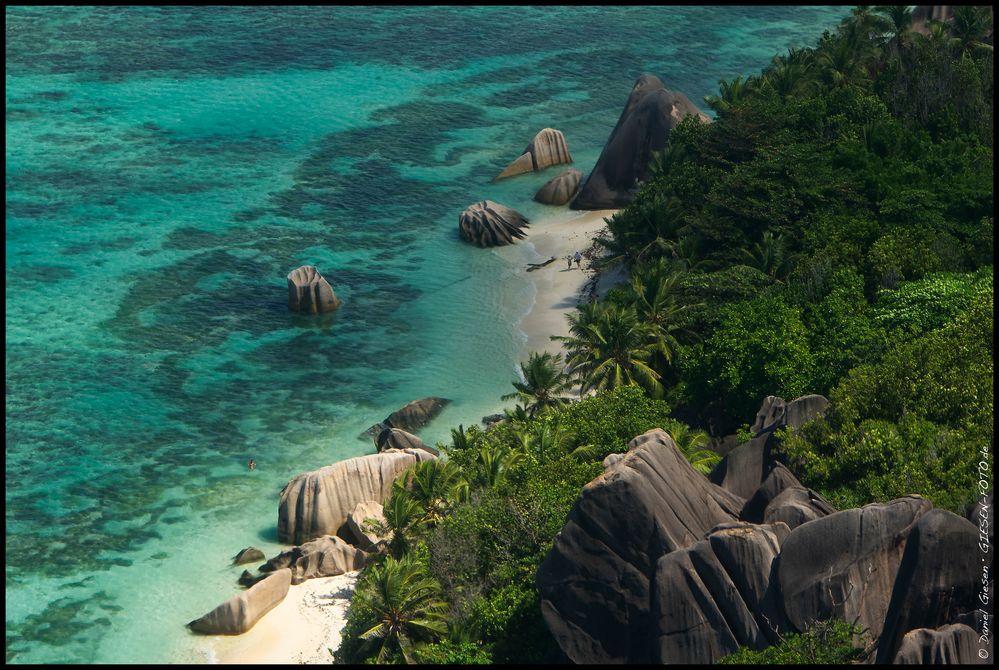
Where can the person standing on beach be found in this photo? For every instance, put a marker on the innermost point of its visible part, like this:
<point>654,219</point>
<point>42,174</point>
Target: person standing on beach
<point>579,259</point>
<point>568,262</point>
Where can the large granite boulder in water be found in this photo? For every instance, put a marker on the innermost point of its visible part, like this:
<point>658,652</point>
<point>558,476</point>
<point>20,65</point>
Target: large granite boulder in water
<point>717,595</point>
<point>239,614</point>
<point>327,556</point>
<point>489,224</point>
<point>843,566</point>
<point>308,291</point>
<point>248,555</point>
<point>410,418</point>
<point>939,579</point>
<point>560,189</point>
<point>546,149</point>
<point>649,115</point>
<point>317,503</point>
<point>594,583</point>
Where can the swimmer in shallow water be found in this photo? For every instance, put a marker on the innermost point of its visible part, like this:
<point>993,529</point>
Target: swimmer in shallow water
<point>252,464</point>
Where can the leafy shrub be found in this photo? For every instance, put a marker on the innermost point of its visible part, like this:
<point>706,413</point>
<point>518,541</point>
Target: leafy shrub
<point>827,643</point>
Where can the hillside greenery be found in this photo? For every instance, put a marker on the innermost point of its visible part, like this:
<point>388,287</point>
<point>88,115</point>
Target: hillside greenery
<point>830,232</point>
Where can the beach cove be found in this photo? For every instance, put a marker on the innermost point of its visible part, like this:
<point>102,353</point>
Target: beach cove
<point>155,205</point>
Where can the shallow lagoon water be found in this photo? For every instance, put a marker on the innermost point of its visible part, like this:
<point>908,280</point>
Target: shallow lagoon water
<point>167,167</point>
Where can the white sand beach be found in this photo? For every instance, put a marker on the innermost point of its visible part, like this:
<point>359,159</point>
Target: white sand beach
<point>302,629</point>
<point>558,288</point>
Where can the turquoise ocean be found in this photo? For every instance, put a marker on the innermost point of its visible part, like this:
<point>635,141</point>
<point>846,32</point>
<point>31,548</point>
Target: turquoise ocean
<point>168,166</point>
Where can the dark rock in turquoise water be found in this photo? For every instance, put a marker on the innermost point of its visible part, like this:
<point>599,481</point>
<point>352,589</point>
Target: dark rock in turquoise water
<point>326,556</point>
<point>546,149</point>
<point>249,579</point>
<point>248,555</point>
<point>396,438</point>
<point>649,115</point>
<point>843,566</point>
<point>950,644</point>
<point>559,189</point>
<point>939,580</point>
<point>595,581</point>
<point>489,224</point>
<point>239,614</point>
<point>308,291</point>
<point>413,416</point>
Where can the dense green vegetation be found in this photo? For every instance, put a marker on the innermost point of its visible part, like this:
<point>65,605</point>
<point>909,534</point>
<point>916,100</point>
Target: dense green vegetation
<point>830,232</point>
<point>826,643</point>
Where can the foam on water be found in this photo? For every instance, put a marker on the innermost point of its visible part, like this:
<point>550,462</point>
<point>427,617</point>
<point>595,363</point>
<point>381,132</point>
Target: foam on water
<point>168,166</point>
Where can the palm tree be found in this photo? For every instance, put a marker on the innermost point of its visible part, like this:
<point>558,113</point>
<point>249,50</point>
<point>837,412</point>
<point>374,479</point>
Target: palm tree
<point>730,94</point>
<point>403,517</point>
<point>493,462</point>
<point>898,21</point>
<point>842,65</point>
<point>545,382</point>
<point>654,292</point>
<point>545,439</point>
<point>971,26</point>
<point>431,484</point>
<point>693,445</point>
<point>401,607</point>
<point>769,256</point>
<point>613,350</point>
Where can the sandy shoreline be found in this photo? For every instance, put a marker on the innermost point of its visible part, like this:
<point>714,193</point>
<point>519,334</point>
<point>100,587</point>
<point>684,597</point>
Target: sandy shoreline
<point>559,289</point>
<point>301,629</point>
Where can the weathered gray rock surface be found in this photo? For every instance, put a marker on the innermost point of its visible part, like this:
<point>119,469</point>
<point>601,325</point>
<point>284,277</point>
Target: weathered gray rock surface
<point>938,581</point>
<point>546,149</point>
<point>490,224</point>
<point>396,438</point>
<point>560,189</point>
<point>717,595</point>
<point>594,583</point>
<point>797,505</point>
<point>410,418</point>
<point>844,565</point>
<point>363,536</point>
<point>308,291</point>
<point>317,503</point>
<point>239,614</point>
<point>947,645</point>
<point>326,556</point>
<point>642,129</point>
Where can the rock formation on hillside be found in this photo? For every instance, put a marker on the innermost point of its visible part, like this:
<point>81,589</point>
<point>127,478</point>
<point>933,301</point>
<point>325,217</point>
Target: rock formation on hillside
<point>546,149</point>
<point>649,115</point>
<point>317,503</point>
<point>560,189</point>
<point>657,564</point>
<point>489,224</point>
<point>410,418</point>
<point>238,614</point>
<point>309,292</point>
<point>363,536</point>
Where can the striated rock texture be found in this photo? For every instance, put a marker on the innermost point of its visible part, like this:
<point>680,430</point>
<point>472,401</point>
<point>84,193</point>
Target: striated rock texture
<point>953,643</point>
<point>317,503</point>
<point>797,505</point>
<point>308,291</point>
<point>239,614</point>
<point>489,224</point>
<point>546,149</point>
<point>326,556</point>
<point>559,189</point>
<point>410,418</point>
<point>594,583</point>
<point>843,566</point>
<point>396,438</point>
<point>717,595</point>
<point>649,115</point>
<point>248,555</point>
<point>744,468</point>
<point>938,581</point>
<point>363,537</point>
